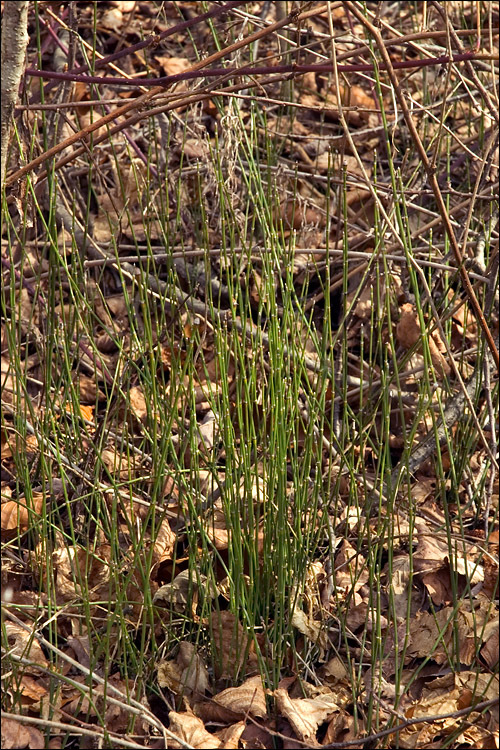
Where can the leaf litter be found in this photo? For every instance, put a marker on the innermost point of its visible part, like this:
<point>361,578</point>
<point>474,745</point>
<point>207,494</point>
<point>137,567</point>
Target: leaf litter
<point>86,550</point>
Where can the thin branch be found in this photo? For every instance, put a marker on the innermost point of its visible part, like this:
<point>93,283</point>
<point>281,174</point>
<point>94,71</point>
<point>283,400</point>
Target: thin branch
<point>431,176</point>
<point>253,70</point>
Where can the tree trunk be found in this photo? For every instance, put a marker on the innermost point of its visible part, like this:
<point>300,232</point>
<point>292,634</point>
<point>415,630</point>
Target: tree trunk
<point>14,43</point>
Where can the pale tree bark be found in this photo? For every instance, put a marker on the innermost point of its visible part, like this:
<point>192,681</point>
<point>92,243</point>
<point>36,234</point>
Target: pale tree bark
<point>14,43</point>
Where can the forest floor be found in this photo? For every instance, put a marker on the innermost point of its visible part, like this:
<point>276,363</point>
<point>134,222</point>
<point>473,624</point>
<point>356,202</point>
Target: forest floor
<point>250,378</point>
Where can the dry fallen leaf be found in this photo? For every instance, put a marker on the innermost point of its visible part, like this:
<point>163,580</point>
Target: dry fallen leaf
<point>305,715</point>
<point>399,584</point>
<point>17,516</point>
<point>230,737</point>
<point>313,629</point>
<point>426,627</point>
<point>164,544</point>
<point>248,698</point>
<point>186,675</point>
<point>351,573</point>
<point>233,647</point>
<point>16,735</point>
<point>490,650</point>
<point>432,561</point>
<point>190,729</point>
<point>176,594</point>
<point>112,19</point>
<point>408,333</point>
<point>24,645</point>
<point>173,65</point>
<point>446,695</point>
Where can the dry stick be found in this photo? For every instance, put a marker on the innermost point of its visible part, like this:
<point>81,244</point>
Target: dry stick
<point>251,69</point>
<point>83,134</point>
<point>122,700</point>
<point>409,722</point>
<point>431,176</point>
<point>400,38</point>
<point>199,307</point>
<point>142,100</point>
<point>456,405</point>
<point>191,98</point>
<point>160,288</point>
<point>195,306</point>
<point>459,144</point>
<point>427,445</point>
<point>362,741</point>
<point>494,447</point>
<point>153,39</point>
<point>491,106</point>
<point>369,740</point>
<point>489,146</point>
<point>32,107</point>
<point>72,728</point>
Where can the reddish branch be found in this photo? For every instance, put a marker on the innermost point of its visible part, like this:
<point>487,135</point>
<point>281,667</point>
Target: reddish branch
<point>430,171</point>
<point>200,70</point>
<point>152,40</point>
<point>253,70</point>
<point>141,101</point>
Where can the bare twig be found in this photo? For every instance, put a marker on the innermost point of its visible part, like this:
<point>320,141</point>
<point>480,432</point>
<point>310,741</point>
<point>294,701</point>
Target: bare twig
<point>431,176</point>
